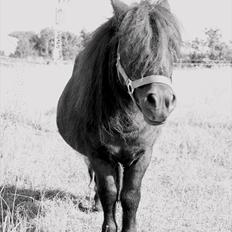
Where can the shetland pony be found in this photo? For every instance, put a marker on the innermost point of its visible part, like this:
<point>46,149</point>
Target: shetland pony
<point>119,96</point>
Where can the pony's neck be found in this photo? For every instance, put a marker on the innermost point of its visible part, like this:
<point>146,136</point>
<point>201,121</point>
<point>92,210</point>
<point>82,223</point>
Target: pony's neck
<point>105,101</point>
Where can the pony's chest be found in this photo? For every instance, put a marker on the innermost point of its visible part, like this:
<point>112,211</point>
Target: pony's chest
<point>133,146</point>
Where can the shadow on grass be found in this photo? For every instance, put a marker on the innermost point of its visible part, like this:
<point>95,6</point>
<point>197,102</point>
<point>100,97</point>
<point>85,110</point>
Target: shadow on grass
<point>27,203</point>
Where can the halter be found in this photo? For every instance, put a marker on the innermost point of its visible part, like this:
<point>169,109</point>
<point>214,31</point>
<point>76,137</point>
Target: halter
<point>132,85</point>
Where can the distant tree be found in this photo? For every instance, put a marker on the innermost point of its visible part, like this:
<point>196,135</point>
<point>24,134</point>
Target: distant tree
<point>85,37</point>
<point>71,45</point>
<point>42,44</point>
<point>46,45</point>
<point>229,52</point>
<point>21,34</point>
<point>213,37</point>
<point>226,52</point>
<point>207,50</point>
<point>28,43</point>
<point>198,50</point>
<point>214,44</point>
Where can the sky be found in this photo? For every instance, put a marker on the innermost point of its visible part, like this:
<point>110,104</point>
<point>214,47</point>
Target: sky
<point>194,16</point>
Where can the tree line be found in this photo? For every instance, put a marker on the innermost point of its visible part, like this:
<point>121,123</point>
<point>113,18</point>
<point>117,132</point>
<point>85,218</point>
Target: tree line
<point>210,49</point>
<point>31,44</point>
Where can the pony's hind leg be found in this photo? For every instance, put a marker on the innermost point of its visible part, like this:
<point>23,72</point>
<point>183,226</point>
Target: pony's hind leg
<point>97,203</point>
<point>106,184</point>
<point>93,187</point>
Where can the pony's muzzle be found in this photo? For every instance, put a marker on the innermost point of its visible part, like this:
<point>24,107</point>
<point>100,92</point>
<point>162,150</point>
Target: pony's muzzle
<point>160,106</point>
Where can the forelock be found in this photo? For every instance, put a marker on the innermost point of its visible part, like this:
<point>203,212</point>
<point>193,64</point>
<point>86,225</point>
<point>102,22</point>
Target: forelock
<point>148,35</point>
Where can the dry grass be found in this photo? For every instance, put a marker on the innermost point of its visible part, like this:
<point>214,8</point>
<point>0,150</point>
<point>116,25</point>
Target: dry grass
<point>188,186</point>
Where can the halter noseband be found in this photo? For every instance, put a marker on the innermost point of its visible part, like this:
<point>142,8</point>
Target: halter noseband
<point>132,85</point>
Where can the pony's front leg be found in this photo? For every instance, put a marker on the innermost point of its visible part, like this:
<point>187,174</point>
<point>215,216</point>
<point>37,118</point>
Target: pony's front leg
<point>107,191</point>
<point>130,195</point>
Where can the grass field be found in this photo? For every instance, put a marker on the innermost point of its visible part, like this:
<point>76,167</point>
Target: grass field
<point>187,188</point>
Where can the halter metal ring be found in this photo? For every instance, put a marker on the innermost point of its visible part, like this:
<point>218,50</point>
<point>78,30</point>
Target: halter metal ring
<point>130,87</point>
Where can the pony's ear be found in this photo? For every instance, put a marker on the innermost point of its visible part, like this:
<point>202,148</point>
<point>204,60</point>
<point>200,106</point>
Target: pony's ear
<point>120,8</point>
<point>164,4</point>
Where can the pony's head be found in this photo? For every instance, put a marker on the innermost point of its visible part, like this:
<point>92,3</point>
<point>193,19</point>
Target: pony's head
<point>148,42</point>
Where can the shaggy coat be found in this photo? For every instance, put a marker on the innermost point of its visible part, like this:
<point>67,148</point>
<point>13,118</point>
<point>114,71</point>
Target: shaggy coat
<point>97,117</point>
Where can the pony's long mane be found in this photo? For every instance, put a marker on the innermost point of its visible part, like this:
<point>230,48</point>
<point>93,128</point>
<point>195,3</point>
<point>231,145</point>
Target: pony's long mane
<point>147,32</point>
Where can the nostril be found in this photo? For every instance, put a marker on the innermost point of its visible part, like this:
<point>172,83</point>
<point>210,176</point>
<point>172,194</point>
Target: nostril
<point>151,99</point>
<point>167,102</point>
<point>170,101</point>
<point>173,98</point>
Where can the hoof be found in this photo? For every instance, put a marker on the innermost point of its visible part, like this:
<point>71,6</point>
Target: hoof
<point>89,207</point>
<point>97,208</point>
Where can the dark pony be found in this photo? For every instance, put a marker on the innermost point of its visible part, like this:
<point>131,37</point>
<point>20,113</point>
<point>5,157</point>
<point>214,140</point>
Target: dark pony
<point>98,118</point>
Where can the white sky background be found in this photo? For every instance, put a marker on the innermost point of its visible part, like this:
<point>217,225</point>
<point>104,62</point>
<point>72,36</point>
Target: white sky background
<point>33,15</point>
